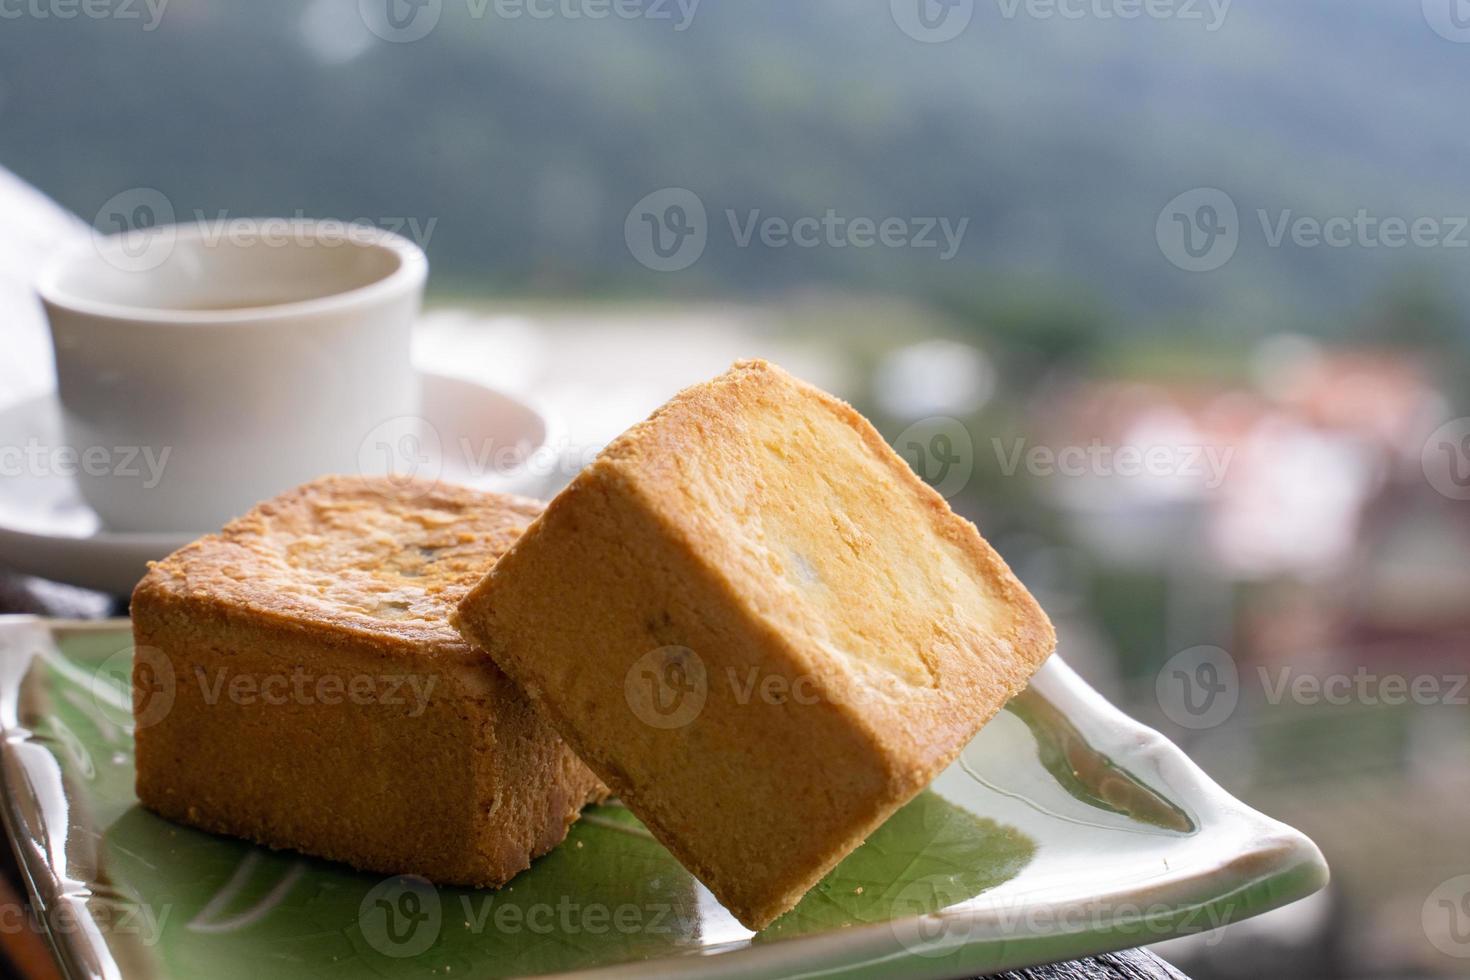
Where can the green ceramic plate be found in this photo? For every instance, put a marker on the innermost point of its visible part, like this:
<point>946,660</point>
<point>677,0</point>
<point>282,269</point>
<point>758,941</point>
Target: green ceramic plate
<point>1064,829</point>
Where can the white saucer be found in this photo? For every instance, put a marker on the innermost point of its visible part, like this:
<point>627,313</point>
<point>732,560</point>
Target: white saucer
<point>46,529</point>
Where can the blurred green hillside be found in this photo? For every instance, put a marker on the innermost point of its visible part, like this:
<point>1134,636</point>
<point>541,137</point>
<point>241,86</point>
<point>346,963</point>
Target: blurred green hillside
<point>525,141</point>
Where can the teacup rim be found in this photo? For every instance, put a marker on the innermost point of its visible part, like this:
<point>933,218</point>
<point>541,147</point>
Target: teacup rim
<point>409,273</point>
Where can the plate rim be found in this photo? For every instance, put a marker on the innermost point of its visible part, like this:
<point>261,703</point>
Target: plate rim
<point>551,427</point>
<point>19,540</point>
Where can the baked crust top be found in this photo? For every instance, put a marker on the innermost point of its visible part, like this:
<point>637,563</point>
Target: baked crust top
<point>368,556</point>
<point>827,534</point>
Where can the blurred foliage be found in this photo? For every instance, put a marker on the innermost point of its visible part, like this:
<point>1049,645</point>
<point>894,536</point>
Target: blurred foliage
<point>526,141</point>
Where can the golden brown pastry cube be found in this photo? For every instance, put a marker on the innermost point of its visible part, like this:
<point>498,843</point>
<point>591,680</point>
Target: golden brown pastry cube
<point>320,700</point>
<point>753,620</point>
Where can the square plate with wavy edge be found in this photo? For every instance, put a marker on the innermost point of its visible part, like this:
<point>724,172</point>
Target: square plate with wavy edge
<point>1064,829</point>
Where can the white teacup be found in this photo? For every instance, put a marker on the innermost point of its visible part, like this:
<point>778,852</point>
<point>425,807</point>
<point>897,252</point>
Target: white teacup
<point>202,368</point>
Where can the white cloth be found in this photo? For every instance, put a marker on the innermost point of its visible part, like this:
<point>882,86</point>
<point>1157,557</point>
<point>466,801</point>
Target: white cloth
<point>33,225</point>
